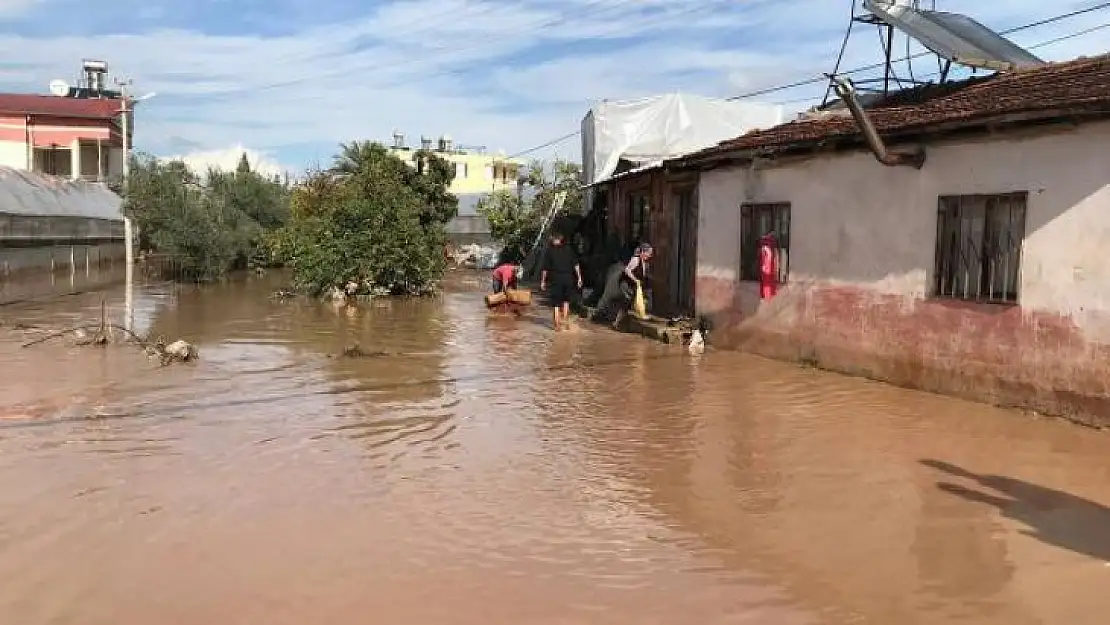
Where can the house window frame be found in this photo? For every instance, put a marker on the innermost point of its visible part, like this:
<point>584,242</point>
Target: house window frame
<point>979,266</point>
<point>638,227</point>
<point>753,225</point>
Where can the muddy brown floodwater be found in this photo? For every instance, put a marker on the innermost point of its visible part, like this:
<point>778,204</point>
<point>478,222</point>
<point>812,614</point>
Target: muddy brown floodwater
<point>489,472</point>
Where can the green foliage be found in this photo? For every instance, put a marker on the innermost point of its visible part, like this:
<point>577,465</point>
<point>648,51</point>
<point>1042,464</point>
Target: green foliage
<point>564,177</point>
<point>370,219</point>
<point>512,222</point>
<point>515,222</point>
<point>206,227</point>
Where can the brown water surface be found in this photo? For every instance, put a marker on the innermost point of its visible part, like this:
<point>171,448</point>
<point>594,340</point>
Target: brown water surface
<point>488,471</point>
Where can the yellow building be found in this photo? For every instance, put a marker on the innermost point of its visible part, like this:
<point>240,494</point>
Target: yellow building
<point>476,171</point>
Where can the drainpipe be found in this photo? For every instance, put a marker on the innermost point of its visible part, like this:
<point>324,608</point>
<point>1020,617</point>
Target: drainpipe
<point>30,138</point>
<point>847,92</point>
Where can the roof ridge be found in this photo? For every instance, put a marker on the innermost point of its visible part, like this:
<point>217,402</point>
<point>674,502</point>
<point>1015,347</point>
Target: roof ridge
<point>1076,84</point>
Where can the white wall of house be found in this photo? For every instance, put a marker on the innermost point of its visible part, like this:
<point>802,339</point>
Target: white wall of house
<point>857,222</point>
<point>13,154</point>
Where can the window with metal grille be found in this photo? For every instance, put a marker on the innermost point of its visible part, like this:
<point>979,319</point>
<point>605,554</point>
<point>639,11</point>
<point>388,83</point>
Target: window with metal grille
<point>639,218</point>
<point>757,220</point>
<point>978,254</point>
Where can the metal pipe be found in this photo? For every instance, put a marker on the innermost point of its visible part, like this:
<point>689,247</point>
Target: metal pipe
<point>847,92</point>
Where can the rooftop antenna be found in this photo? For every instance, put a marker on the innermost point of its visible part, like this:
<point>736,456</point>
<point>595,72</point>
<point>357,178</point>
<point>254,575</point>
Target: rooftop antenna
<point>949,38</point>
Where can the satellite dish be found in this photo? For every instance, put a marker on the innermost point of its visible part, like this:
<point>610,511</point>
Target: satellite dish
<point>59,87</point>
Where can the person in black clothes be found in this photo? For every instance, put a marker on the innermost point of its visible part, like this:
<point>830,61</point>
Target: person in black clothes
<point>562,271</point>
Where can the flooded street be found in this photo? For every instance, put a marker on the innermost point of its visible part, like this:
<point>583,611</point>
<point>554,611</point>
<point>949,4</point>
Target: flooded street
<point>487,471</point>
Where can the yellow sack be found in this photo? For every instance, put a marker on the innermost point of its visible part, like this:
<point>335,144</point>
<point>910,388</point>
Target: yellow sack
<point>639,306</point>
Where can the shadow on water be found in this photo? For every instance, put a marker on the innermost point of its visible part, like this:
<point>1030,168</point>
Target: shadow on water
<point>1054,517</point>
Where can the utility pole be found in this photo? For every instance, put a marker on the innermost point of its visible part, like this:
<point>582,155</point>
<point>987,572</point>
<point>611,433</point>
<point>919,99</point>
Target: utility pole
<point>127,106</point>
<point>128,227</point>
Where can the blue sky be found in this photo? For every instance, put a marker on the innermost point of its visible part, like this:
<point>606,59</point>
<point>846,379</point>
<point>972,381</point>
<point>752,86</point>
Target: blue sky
<point>290,79</point>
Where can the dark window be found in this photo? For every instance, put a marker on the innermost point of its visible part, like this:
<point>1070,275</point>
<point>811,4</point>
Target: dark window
<point>639,218</point>
<point>978,253</point>
<point>757,220</point>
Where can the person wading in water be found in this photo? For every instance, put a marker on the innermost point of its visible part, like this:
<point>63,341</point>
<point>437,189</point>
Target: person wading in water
<point>562,272</point>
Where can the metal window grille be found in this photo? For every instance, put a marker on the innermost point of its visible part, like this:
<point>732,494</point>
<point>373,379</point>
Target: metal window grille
<point>978,254</point>
<point>757,220</point>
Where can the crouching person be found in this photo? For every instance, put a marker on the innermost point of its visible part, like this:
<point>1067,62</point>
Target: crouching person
<point>505,277</point>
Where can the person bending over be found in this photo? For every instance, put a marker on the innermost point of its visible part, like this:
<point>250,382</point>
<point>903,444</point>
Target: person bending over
<point>504,277</point>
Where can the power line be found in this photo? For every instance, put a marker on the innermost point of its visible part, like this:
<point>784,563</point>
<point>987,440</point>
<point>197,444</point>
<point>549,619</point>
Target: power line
<point>450,72</point>
<point>592,8</point>
<point>1035,46</point>
<point>820,79</point>
<point>550,143</point>
<point>1041,44</point>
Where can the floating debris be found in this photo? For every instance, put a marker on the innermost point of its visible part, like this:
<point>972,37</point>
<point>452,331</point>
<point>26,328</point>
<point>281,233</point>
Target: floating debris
<point>356,351</point>
<point>178,351</point>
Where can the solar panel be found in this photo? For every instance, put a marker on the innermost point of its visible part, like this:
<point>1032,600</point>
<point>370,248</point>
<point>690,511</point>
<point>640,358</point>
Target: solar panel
<point>953,36</point>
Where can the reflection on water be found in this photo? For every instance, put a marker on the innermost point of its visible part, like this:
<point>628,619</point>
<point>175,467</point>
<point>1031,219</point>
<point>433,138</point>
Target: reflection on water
<point>485,470</point>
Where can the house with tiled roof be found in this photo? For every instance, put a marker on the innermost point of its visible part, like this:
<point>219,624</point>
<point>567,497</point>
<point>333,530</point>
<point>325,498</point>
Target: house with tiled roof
<point>73,132</point>
<point>960,248</point>
<point>61,136</point>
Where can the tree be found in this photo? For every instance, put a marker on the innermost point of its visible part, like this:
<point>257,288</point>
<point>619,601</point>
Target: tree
<point>371,219</point>
<point>206,227</point>
<point>515,222</point>
<point>244,166</point>
<point>430,178</point>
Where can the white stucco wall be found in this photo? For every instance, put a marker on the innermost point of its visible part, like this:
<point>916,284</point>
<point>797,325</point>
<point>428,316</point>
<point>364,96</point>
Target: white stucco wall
<point>858,222</point>
<point>13,154</point>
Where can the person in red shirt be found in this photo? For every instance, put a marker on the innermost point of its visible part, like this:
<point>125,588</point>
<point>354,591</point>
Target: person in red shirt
<point>504,277</point>
<point>768,266</point>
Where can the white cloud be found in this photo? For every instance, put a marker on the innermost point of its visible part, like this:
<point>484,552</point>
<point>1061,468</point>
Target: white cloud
<point>228,158</point>
<point>9,8</point>
<point>506,74</point>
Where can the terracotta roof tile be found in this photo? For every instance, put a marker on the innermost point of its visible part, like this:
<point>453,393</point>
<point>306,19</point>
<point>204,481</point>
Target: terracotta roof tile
<point>1076,86</point>
<point>32,104</point>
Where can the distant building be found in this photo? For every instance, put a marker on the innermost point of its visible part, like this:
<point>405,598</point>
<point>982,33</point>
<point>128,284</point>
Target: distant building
<point>54,150</point>
<point>74,133</point>
<point>477,172</point>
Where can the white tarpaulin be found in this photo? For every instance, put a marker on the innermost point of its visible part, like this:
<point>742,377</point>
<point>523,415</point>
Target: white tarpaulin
<point>662,127</point>
<point>38,195</point>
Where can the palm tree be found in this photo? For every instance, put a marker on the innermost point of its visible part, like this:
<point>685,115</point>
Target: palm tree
<point>354,155</point>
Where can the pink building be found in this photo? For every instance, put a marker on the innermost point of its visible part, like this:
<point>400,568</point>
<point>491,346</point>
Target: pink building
<point>62,136</point>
